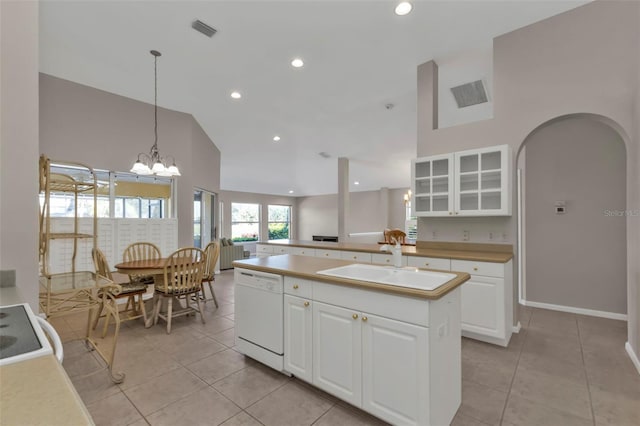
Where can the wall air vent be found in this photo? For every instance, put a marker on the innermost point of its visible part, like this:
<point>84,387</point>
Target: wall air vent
<point>203,28</point>
<point>470,94</point>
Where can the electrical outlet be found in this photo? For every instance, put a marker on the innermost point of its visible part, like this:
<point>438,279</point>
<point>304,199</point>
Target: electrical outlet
<point>504,236</point>
<point>8,278</point>
<point>465,235</point>
<point>434,235</point>
<point>490,236</point>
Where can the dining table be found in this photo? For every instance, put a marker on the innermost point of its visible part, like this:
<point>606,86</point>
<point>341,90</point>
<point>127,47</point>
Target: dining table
<point>154,267</point>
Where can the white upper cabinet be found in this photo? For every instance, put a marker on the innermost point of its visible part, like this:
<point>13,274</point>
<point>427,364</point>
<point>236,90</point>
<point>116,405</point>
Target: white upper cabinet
<point>432,179</point>
<point>466,183</point>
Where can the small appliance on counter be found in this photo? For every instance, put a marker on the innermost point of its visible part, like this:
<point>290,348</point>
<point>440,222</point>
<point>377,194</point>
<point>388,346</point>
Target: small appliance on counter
<point>22,336</point>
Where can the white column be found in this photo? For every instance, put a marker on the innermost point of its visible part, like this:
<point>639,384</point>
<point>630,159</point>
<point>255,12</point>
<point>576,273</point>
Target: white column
<point>343,198</point>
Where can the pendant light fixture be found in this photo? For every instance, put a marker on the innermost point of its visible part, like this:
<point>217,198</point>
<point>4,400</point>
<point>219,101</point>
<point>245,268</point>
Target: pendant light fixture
<point>153,163</point>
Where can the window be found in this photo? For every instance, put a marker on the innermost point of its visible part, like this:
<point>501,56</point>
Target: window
<point>134,196</point>
<point>279,222</point>
<point>245,222</point>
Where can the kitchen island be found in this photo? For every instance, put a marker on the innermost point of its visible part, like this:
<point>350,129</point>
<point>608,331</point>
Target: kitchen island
<point>390,350</point>
<point>487,298</point>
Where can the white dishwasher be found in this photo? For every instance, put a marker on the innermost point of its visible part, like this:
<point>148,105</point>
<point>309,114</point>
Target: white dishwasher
<point>259,316</point>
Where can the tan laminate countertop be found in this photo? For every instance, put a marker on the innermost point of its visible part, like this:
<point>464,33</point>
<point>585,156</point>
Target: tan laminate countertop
<point>460,251</point>
<point>307,267</point>
<point>39,392</point>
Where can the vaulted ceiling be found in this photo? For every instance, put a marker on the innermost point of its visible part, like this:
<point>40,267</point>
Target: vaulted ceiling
<point>358,57</point>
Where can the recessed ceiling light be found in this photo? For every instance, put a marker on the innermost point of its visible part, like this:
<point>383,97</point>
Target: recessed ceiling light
<point>276,138</point>
<point>356,183</point>
<point>403,8</point>
<point>291,191</point>
<point>297,63</point>
<point>236,95</point>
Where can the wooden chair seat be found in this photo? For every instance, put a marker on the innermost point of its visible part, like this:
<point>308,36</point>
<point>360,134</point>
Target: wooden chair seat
<point>133,309</point>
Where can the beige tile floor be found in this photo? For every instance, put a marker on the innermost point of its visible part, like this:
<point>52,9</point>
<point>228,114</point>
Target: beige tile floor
<point>562,369</point>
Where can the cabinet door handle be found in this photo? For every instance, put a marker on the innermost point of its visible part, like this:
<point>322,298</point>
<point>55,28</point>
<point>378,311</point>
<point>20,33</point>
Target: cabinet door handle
<point>456,212</point>
<point>364,319</point>
<point>355,257</point>
<point>426,263</point>
<point>354,316</point>
<point>306,304</point>
<point>295,286</point>
<point>450,213</point>
<point>475,268</point>
<point>326,254</point>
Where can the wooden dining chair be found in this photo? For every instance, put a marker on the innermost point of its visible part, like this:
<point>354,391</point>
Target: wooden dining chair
<point>182,276</point>
<point>141,251</point>
<point>211,253</point>
<point>393,235</point>
<point>134,309</point>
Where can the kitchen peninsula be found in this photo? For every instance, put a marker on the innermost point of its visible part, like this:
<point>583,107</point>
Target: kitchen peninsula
<point>391,350</point>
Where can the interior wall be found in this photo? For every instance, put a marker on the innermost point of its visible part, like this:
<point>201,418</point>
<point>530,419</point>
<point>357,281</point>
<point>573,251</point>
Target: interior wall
<point>19,145</point>
<point>461,68</point>
<point>576,259</point>
<point>370,211</point>
<point>317,215</point>
<point>107,131</point>
<point>633,220</point>
<point>558,80</point>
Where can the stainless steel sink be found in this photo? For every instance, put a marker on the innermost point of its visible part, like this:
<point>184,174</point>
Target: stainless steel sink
<point>401,277</point>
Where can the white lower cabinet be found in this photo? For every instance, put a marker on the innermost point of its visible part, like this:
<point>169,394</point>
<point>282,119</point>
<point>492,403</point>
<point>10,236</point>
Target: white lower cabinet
<point>487,305</point>
<point>395,357</point>
<point>298,346</point>
<point>337,352</point>
<point>395,362</point>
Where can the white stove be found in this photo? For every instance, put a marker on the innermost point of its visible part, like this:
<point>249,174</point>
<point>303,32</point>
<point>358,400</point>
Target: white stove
<point>22,336</point>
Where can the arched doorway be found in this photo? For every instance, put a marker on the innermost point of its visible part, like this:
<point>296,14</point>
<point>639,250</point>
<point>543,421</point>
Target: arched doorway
<point>572,198</point>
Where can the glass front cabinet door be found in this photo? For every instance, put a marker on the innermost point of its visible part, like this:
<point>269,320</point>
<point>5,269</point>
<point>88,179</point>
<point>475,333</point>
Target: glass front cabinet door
<point>466,183</point>
<point>432,179</point>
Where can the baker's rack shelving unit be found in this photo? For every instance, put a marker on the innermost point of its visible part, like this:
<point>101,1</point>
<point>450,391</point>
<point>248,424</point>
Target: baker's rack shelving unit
<point>74,289</point>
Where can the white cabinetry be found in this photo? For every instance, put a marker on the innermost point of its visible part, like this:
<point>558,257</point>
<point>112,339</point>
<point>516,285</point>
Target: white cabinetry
<point>337,352</point>
<point>297,337</point>
<point>386,259</point>
<point>466,183</point>
<point>487,312</point>
<point>395,357</point>
<point>394,391</point>
<point>429,263</point>
<point>356,256</point>
<point>264,250</point>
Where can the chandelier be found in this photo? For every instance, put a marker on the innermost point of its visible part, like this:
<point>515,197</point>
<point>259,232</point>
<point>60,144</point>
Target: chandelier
<point>153,163</point>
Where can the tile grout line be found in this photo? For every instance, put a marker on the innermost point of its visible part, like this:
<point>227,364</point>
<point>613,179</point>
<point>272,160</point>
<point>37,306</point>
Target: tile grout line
<point>515,371</point>
<point>586,374</point>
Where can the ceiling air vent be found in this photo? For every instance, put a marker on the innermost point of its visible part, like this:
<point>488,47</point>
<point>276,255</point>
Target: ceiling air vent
<point>470,94</point>
<point>203,28</point>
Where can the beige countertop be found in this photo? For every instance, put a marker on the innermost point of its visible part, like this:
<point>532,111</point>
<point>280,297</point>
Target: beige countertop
<point>307,267</point>
<point>499,253</point>
<point>39,392</point>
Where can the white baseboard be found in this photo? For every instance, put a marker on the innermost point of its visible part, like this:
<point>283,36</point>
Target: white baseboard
<point>633,356</point>
<point>573,310</point>
<point>517,327</point>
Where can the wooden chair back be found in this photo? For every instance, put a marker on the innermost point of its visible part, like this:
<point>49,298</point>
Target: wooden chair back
<point>101,264</point>
<point>141,251</point>
<point>212,253</point>
<point>393,235</point>
<point>182,272</point>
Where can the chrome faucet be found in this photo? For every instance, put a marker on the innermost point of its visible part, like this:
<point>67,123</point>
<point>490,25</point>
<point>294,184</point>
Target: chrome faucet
<point>396,251</point>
